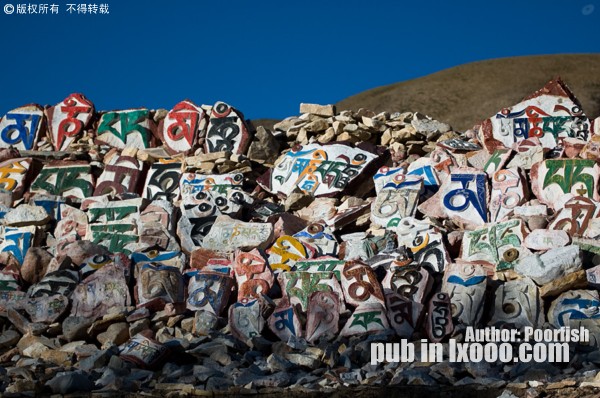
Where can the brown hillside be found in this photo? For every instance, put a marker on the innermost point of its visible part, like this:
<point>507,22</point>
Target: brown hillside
<point>465,95</point>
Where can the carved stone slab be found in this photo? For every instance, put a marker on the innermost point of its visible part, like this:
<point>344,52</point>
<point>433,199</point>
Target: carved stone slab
<point>322,264</point>
<point>208,291</point>
<point>554,181</point>
<point>322,319</point>
<point>121,174</point>
<point>11,299</point>
<point>465,284</point>
<point>497,161</point>
<point>46,309</point>
<point>162,180</point>
<point>518,304</point>
<point>21,127</point>
<point>17,241</point>
<point>591,150</point>
<point>463,197</point>
<point>410,282</point>
<point>439,317</point>
<point>68,119</point>
<point>222,193</point>
<point>9,280</point>
<point>577,308</point>
<point>144,352</point>
<point>405,315</point>
<point>548,114</point>
<point>367,318</point>
<point>182,126</point>
<point>458,145</point>
<point>499,244</point>
<point>228,235</point>
<point>423,167</point>
<point>253,275</point>
<point>131,128</point>
<point>551,265</point>
<point>245,319</point>
<point>545,239</point>
<point>120,210</point>
<point>226,130</point>
<point>118,237</point>
<point>397,198</point>
<point>509,190</point>
<point>97,261</point>
<point>65,178</point>
<point>170,258</point>
<point>104,290</point>
<point>317,170</point>
<point>576,216</point>
<point>13,175</point>
<point>360,285</point>
<point>319,237</point>
<point>285,321</point>
<point>61,282</point>
<point>157,282</point>
<point>297,286</point>
<point>425,245</point>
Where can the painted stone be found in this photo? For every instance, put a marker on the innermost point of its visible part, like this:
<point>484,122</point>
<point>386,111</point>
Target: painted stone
<point>545,239</point>
<point>396,199</point>
<point>11,299</point>
<point>517,305</point>
<point>439,317</point>
<point>208,291</point>
<point>423,167</point>
<point>458,145</point>
<point>70,179</point>
<point>46,309</point>
<point>20,128</point>
<point>169,258</point>
<point>157,282</point>
<point>94,262</point>
<point>576,216</point>
<point>360,285</point>
<point>554,181</point>
<point>424,244</point>
<point>253,275</point>
<point>593,276</point>
<point>120,175</point>
<point>527,153</point>
<point>285,321</point>
<point>367,318</point>
<point>322,319</point>
<point>591,151</point>
<point>13,176</point>
<point>222,193</point>
<point>509,190</point>
<point>322,264</point>
<point>103,291</point>
<point>181,127</point>
<point>63,282</point>
<point>551,265</point>
<point>143,351</point>
<point>577,308</point>
<point>162,180</point>
<point>9,280</point>
<point>443,162</point>
<point>68,119</point>
<point>159,212</point>
<point>497,161</point>
<point>405,315</point>
<point>228,235</point>
<point>412,283</point>
<point>18,240</point>
<point>548,114</point>
<point>120,210</point>
<point>72,226</point>
<point>245,319</point>
<point>204,323</point>
<point>499,244</point>
<point>226,130</point>
<point>465,284</point>
<point>51,203</point>
<point>127,128</point>
<point>320,238</point>
<point>297,286</point>
<point>316,170</point>
<point>463,197</point>
<point>116,236</point>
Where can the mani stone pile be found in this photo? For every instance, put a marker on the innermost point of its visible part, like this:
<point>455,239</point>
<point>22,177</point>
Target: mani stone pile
<point>186,251</point>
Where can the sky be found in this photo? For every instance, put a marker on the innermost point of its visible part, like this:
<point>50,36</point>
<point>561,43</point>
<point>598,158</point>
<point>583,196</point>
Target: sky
<point>266,57</point>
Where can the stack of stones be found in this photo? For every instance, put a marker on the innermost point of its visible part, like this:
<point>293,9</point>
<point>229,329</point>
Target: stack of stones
<point>186,250</point>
